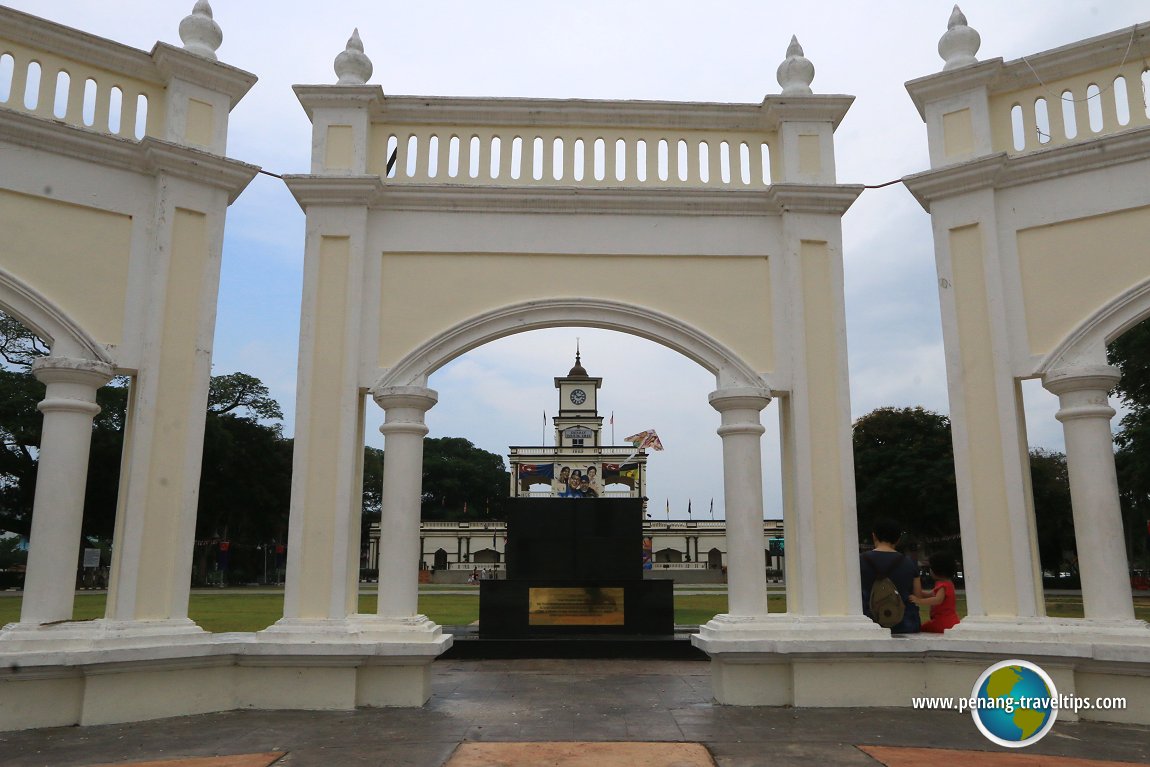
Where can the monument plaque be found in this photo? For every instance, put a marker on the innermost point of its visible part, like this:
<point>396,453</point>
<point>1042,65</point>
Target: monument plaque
<point>587,606</point>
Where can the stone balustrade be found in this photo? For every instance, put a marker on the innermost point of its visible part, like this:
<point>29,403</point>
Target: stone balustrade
<point>571,143</point>
<point>1083,91</point>
<point>59,73</point>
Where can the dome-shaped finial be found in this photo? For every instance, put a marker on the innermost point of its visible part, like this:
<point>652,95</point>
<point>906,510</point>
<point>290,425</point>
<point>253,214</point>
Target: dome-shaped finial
<point>353,67</point>
<point>796,73</point>
<point>577,371</point>
<point>959,43</point>
<point>200,33</point>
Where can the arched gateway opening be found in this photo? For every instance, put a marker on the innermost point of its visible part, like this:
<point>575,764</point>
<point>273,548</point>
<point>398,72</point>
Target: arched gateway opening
<point>408,265</point>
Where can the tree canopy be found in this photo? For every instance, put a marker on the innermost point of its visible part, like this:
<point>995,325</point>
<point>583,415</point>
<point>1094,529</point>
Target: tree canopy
<point>1131,353</point>
<point>461,480</point>
<point>904,471</point>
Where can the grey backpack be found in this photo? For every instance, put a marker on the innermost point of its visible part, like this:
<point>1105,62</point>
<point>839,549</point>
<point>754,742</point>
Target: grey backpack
<point>886,604</point>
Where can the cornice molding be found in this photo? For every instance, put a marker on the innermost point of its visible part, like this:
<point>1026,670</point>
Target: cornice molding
<point>813,108</point>
<point>76,45</point>
<point>576,200</point>
<point>951,180</point>
<point>1002,171</point>
<point>942,85</point>
<point>373,192</point>
<point>814,198</point>
<point>574,113</point>
<point>172,62</point>
<point>148,156</point>
<point>313,97</point>
<point>310,190</point>
<point>232,176</point>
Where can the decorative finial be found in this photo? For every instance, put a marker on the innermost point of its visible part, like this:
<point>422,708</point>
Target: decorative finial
<point>959,43</point>
<point>353,67</point>
<point>796,72</point>
<point>200,34</point>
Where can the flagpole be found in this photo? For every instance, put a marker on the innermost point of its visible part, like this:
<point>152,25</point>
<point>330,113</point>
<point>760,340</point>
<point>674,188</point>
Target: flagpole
<point>612,427</point>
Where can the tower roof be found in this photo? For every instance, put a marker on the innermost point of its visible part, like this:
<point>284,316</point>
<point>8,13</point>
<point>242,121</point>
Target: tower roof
<point>577,371</point>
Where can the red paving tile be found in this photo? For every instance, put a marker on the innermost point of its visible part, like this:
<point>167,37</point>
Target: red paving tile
<point>234,760</point>
<point>942,757</point>
<point>580,755</point>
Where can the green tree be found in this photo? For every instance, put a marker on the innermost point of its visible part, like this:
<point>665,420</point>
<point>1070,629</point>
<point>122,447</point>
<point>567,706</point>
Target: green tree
<point>904,471</point>
<point>462,481</point>
<point>1130,352</point>
<point>19,445</point>
<point>1054,521</point>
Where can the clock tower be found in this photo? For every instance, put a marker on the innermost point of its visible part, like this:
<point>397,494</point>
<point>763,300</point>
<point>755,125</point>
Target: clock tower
<point>580,464</point>
<point>578,423</point>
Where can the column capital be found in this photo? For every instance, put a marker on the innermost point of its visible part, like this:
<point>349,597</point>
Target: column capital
<point>49,370</point>
<point>740,398</point>
<point>406,397</point>
<point>1082,378</point>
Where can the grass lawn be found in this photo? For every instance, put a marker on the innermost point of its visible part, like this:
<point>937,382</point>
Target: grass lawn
<point>236,611</point>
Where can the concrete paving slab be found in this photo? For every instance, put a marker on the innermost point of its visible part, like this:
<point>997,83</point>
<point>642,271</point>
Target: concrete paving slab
<point>556,701</point>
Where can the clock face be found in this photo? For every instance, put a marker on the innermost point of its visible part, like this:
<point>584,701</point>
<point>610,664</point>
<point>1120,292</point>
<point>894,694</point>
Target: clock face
<point>578,396</point>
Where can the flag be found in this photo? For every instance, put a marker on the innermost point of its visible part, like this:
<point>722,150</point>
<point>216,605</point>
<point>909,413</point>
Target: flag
<point>688,508</point>
<point>616,471</point>
<point>540,470</point>
<point>712,509</point>
<point>644,439</point>
<point>612,418</point>
<point>668,508</point>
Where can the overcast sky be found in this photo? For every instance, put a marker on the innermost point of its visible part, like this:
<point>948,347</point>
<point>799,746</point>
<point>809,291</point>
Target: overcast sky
<point>659,49</point>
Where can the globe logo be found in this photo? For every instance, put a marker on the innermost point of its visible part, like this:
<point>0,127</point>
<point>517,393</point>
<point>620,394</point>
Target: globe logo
<point>1014,703</point>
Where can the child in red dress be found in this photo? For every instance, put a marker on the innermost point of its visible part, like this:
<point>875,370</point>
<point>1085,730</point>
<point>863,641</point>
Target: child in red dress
<point>943,614</point>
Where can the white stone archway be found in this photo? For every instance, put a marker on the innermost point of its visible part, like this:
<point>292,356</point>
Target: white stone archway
<point>414,257</point>
<point>1040,240</point>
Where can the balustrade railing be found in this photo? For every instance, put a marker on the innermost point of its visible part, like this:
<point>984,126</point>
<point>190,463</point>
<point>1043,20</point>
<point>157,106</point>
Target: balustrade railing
<point>1087,90</point>
<point>562,143</point>
<point>59,73</point>
<point>532,452</point>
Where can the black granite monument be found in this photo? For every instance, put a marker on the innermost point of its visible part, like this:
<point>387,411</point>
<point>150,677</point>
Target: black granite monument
<point>574,566</point>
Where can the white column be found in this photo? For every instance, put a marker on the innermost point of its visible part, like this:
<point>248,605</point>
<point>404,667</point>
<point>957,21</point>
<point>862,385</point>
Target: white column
<point>403,429</point>
<point>743,494</point>
<point>69,405</point>
<point>1085,414</point>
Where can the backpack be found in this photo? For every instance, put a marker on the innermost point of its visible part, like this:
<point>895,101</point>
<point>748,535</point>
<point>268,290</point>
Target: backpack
<point>886,604</point>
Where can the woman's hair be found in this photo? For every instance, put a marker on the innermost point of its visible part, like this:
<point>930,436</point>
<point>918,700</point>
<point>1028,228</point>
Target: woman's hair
<point>942,564</point>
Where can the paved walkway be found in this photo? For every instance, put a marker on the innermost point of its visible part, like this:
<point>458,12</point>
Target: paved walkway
<point>556,701</point>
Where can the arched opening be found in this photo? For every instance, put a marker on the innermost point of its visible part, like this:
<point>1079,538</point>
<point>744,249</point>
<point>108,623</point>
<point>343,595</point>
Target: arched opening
<point>495,390</point>
<point>77,542</point>
<point>440,559</point>
<point>715,559</point>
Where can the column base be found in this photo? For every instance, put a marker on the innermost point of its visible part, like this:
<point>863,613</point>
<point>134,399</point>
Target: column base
<point>1074,630</point>
<point>100,634</point>
<point>779,633</point>
<point>355,629</point>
